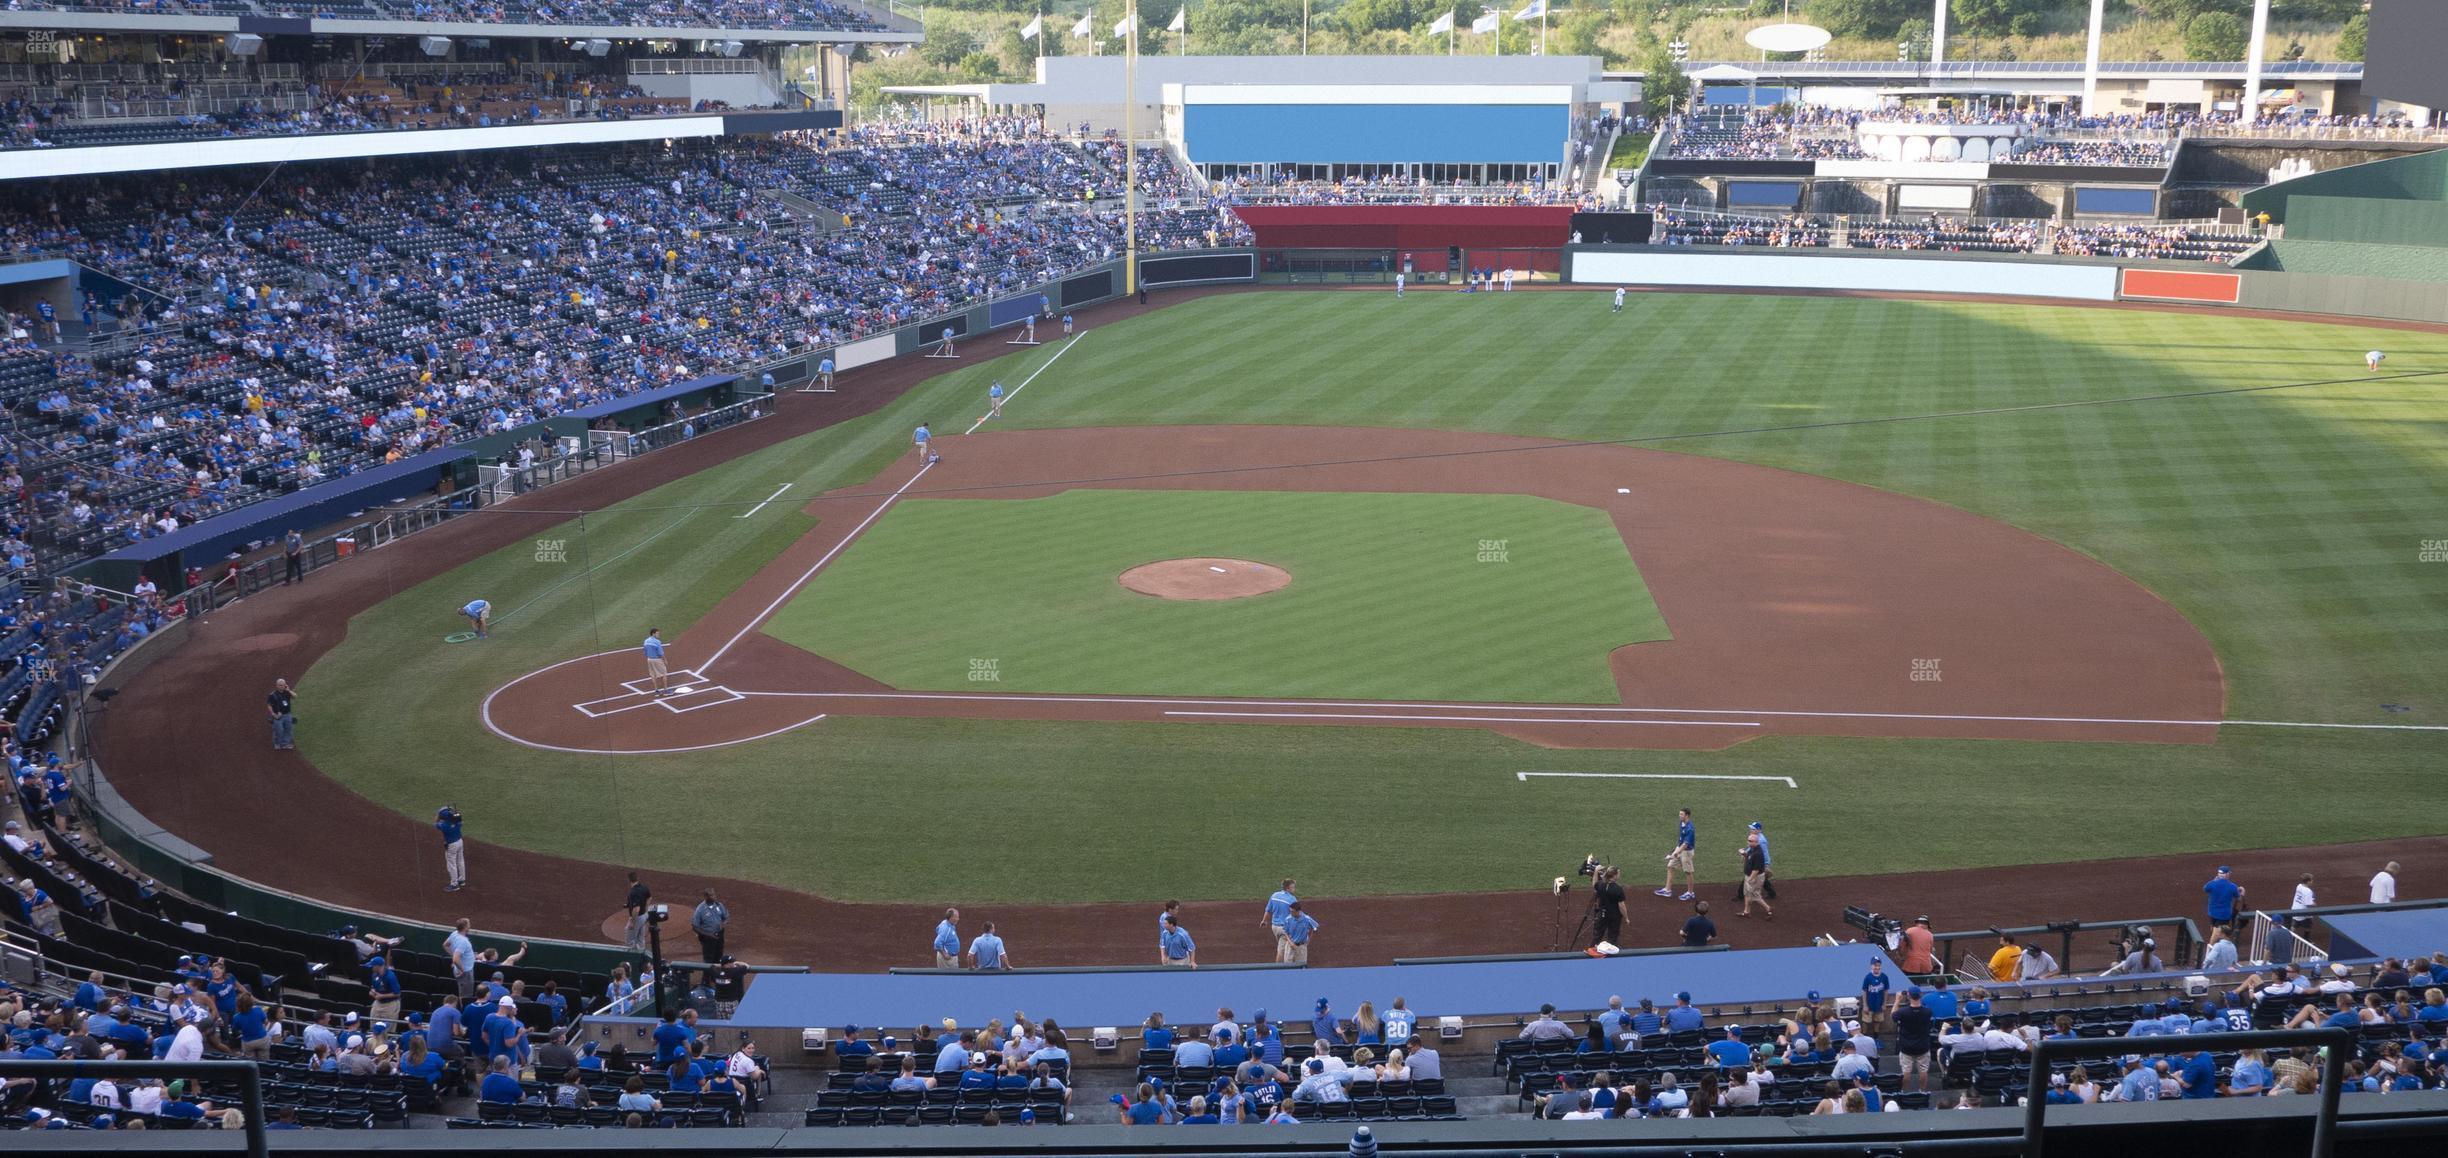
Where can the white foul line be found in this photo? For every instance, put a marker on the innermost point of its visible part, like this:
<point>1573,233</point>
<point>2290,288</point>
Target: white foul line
<point>1015,391</point>
<point>1524,777</point>
<point>810,573</point>
<point>1941,717</point>
<point>769,498</point>
<point>1467,719</point>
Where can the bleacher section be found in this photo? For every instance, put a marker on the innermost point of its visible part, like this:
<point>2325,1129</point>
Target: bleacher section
<point>396,321</point>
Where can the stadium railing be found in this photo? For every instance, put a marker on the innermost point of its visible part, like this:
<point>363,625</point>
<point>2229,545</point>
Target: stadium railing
<point>245,1073</point>
<point>2334,1045</point>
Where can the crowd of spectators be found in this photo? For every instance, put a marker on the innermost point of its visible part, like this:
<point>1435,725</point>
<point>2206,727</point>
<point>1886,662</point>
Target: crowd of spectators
<point>1939,233</point>
<point>2095,152</point>
<point>1797,231</point>
<point>1685,226</point>
<point>1390,190</point>
<point>144,107</point>
<point>2167,242</point>
<point>1815,132</point>
<point>810,15</point>
<point>344,315</point>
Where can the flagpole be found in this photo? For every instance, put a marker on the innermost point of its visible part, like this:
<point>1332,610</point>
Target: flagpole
<point>1130,151</point>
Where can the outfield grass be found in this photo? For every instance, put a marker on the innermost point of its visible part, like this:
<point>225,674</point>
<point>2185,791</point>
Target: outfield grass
<point>2288,524</point>
<point>1389,597</point>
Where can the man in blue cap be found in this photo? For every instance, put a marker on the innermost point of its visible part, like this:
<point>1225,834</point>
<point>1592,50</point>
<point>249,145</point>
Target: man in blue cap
<point>1324,1025</point>
<point>2223,893</point>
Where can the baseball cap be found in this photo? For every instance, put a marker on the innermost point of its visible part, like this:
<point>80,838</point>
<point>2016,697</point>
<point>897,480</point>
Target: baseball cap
<point>1912,991</point>
<point>1684,996</point>
<point>2222,870</point>
<point>1321,1004</point>
<point>504,1003</point>
<point>1028,1115</point>
<point>849,1031</point>
<point>355,1041</point>
<point>441,812</point>
<point>1813,995</point>
<point>1119,1100</point>
<point>2340,968</point>
<point>1755,826</point>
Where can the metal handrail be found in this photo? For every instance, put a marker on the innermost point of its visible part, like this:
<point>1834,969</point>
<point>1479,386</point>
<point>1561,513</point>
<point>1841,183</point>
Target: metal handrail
<point>249,1077</point>
<point>2334,1045</point>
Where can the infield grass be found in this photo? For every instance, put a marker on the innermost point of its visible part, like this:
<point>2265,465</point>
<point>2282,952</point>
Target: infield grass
<point>1389,597</point>
<point>2290,524</point>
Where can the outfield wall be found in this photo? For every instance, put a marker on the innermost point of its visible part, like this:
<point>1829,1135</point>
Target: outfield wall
<point>1851,270</point>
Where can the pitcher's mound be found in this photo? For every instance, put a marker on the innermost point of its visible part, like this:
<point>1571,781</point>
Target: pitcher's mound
<point>1205,579</point>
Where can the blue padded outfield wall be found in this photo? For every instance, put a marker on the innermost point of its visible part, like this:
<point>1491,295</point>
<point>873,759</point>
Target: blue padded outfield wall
<point>1358,134</point>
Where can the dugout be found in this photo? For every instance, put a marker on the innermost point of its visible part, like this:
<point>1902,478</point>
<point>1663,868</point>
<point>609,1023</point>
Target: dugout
<point>166,558</point>
<point>635,412</point>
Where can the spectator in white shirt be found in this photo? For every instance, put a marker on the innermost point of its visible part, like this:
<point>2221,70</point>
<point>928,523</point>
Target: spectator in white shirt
<point>2303,892</point>
<point>187,1046</point>
<point>2036,964</point>
<point>2340,979</point>
<point>2384,885</point>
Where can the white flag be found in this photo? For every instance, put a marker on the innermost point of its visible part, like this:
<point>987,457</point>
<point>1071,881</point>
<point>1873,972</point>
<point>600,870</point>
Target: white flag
<point>1122,28</point>
<point>1181,20</point>
<point>1084,29</point>
<point>1484,24</point>
<point>1036,25</point>
<point>1536,9</point>
<point>1443,23</point>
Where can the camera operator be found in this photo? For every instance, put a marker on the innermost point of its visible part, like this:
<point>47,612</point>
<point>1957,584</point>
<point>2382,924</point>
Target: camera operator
<point>1610,902</point>
<point>447,821</point>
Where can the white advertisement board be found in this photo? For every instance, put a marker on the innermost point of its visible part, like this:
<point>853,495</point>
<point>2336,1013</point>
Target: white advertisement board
<point>2096,283</point>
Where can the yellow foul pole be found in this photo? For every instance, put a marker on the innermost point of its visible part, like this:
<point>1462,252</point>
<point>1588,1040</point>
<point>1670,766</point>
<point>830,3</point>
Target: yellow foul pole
<point>1130,150</point>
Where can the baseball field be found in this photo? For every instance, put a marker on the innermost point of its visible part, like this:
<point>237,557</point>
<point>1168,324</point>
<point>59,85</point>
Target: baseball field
<point>1923,585</point>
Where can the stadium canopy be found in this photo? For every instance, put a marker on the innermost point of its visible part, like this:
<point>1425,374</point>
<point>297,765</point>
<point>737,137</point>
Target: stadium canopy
<point>1725,74</point>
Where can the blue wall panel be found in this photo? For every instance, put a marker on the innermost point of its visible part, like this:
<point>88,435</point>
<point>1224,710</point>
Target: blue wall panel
<point>1375,134</point>
<point>2095,200</point>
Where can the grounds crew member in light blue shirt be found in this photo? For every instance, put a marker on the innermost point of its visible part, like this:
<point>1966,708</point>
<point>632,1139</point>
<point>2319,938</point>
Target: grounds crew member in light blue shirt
<point>653,647</point>
<point>924,438</point>
<point>947,940</point>
<point>1279,907</point>
<point>1297,927</point>
<point>994,400</point>
<point>480,613</point>
<point>1179,949</point>
<point>987,951</point>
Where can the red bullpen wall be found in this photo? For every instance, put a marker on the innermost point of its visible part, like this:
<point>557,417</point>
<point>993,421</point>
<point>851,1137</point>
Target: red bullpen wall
<point>1423,231</point>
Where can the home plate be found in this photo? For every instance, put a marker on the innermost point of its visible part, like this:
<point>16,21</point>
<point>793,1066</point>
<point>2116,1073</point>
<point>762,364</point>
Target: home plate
<point>683,691</point>
<point>1216,569</point>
